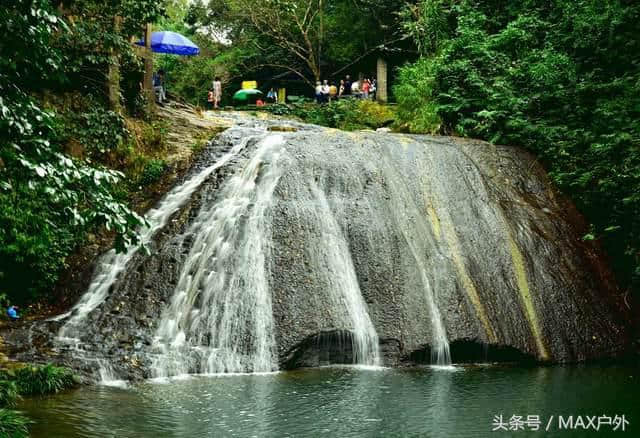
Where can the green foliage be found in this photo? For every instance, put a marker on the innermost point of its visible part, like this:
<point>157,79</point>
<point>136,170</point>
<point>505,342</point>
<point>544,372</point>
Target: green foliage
<point>40,380</point>
<point>13,424</point>
<point>346,114</point>
<point>559,78</point>
<point>93,38</point>
<point>99,129</point>
<point>301,38</point>
<point>192,77</point>
<point>154,135</point>
<point>8,393</point>
<point>28,380</point>
<point>48,200</point>
<point>417,107</point>
<point>153,170</point>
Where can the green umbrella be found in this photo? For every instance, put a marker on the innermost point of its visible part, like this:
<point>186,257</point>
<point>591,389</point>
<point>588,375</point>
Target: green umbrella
<point>243,96</point>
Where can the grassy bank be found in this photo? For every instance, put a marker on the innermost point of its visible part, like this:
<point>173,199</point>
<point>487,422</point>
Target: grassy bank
<point>28,380</point>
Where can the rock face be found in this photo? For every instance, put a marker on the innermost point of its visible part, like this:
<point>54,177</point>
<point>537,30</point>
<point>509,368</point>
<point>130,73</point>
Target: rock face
<point>472,228</point>
<point>317,246</point>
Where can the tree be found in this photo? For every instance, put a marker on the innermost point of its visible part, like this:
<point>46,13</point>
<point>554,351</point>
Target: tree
<point>49,199</point>
<point>295,26</point>
<point>560,78</point>
<point>313,39</point>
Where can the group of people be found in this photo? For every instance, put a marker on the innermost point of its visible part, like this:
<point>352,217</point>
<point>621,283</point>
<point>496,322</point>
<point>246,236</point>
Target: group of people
<point>364,89</point>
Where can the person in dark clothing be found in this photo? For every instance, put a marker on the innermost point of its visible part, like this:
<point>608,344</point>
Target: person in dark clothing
<point>159,87</point>
<point>347,86</point>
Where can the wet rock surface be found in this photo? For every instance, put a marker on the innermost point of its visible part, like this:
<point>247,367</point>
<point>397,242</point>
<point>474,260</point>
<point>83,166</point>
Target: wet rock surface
<point>473,228</point>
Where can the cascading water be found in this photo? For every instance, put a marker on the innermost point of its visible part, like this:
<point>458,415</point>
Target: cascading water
<point>331,258</point>
<point>220,318</point>
<point>112,264</point>
<point>398,243</point>
<point>415,229</point>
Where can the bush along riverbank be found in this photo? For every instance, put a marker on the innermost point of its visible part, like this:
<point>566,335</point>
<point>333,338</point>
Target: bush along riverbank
<point>346,114</point>
<point>28,380</point>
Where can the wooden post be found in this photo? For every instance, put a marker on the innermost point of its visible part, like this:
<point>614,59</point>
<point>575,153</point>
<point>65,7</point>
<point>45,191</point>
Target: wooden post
<point>114,72</point>
<point>148,70</point>
<point>381,90</point>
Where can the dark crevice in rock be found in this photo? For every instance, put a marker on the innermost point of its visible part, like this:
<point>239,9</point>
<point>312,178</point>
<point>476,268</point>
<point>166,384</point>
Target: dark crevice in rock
<point>470,351</point>
<point>321,349</point>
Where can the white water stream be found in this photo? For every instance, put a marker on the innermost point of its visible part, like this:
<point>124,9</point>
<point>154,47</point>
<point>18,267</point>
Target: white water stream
<point>112,264</point>
<point>330,255</point>
<point>220,318</point>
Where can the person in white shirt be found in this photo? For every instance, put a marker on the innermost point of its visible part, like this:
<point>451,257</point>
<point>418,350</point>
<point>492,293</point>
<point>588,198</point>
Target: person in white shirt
<point>217,92</point>
<point>325,91</point>
<point>355,89</point>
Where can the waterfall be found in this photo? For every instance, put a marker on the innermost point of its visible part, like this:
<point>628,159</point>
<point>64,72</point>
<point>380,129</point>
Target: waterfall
<point>220,318</point>
<point>331,258</point>
<point>414,227</point>
<point>111,264</point>
<point>316,246</point>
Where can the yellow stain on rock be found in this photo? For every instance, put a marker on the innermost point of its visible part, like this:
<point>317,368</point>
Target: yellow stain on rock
<point>525,293</point>
<point>445,227</point>
<point>435,222</point>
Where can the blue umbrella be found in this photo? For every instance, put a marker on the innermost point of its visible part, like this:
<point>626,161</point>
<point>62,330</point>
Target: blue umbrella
<point>171,42</point>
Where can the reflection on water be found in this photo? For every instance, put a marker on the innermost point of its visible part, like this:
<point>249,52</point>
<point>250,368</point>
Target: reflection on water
<point>344,402</point>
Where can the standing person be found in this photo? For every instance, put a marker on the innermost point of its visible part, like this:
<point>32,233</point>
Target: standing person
<point>217,92</point>
<point>374,88</point>
<point>341,89</point>
<point>210,99</point>
<point>325,91</point>
<point>347,86</point>
<point>158,86</point>
<point>319,92</point>
<point>272,97</point>
<point>333,92</point>
<point>366,87</point>
<point>355,89</point>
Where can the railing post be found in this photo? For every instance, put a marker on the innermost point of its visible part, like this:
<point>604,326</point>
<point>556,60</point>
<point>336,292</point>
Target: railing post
<point>381,88</point>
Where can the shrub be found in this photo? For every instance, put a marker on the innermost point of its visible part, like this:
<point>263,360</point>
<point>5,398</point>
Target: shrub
<point>153,170</point>
<point>13,424</point>
<point>40,380</point>
<point>154,135</point>
<point>98,129</point>
<point>8,393</point>
<point>346,114</point>
<point>417,107</point>
<point>374,114</point>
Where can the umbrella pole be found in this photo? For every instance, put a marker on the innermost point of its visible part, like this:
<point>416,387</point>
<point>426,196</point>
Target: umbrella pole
<point>148,70</point>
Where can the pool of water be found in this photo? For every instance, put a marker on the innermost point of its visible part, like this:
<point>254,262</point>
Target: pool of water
<point>353,402</point>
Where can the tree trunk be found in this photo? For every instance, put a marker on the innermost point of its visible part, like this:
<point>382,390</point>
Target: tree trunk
<point>148,71</point>
<point>114,72</point>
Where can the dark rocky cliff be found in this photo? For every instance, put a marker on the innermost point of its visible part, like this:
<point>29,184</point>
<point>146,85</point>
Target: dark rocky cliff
<point>414,243</point>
